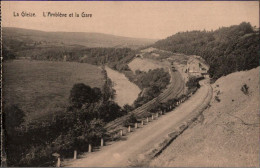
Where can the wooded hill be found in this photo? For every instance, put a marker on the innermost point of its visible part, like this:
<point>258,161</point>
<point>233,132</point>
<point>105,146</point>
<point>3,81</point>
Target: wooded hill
<point>226,50</point>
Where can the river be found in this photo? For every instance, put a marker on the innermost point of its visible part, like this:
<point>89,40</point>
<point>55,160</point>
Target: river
<point>126,91</point>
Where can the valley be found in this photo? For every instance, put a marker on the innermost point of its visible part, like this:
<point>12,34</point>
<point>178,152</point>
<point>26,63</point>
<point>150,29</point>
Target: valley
<point>190,99</point>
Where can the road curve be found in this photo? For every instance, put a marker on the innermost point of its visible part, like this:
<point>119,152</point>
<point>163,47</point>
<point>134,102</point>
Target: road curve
<point>142,139</point>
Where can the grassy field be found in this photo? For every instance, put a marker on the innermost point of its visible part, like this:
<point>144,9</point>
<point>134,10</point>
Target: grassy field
<point>144,64</point>
<point>41,88</point>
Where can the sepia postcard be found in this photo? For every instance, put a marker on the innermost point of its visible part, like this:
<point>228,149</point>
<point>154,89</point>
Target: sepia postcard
<point>130,84</point>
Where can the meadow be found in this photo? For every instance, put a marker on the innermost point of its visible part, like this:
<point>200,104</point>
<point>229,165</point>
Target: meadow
<point>42,88</point>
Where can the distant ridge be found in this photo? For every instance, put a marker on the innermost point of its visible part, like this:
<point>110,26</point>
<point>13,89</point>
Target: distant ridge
<point>87,39</point>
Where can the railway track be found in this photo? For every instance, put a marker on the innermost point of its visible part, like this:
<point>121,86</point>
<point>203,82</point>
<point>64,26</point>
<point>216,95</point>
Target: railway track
<point>144,143</point>
<point>173,90</point>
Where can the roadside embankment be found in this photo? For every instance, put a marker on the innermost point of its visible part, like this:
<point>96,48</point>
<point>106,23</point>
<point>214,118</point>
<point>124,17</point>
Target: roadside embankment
<point>227,133</point>
<point>161,145</point>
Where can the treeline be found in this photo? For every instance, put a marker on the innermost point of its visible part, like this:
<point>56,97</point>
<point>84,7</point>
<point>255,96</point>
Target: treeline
<point>96,56</point>
<point>152,84</point>
<point>116,58</point>
<point>80,124</point>
<point>8,54</point>
<point>226,50</point>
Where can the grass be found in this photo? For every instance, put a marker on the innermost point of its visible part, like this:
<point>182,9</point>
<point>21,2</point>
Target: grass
<point>41,88</point>
<point>143,65</point>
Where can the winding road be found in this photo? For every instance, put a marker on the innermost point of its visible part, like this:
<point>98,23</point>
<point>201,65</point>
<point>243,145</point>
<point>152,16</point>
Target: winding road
<point>143,139</point>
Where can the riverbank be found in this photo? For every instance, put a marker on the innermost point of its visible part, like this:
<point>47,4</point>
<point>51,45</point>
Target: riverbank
<point>126,91</point>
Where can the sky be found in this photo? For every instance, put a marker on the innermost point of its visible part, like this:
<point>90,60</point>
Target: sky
<point>154,20</point>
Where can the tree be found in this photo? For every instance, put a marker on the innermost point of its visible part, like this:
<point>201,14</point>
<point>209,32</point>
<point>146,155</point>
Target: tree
<point>128,108</point>
<point>13,117</point>
<point>193,82</point>
<point>110,111</point>
<point>8,54</point>
<point>83,94</point>
<point>107,89</point>
<point>94,130</point>
<point>131,120</point>
<point>97,94</point>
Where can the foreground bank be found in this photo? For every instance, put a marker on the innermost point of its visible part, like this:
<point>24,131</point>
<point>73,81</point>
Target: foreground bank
<point>226,134</point>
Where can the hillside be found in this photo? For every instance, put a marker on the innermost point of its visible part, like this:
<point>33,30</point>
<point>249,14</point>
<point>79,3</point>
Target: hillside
<point>227,133</point>
<point>42,88</point>
<point>144,64</point>
<point>42,38</point>
<point>226,50</point>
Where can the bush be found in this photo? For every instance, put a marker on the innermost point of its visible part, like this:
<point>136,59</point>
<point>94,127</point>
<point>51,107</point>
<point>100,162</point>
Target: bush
<point>128,108</point>
<point>110,111</point>
<point>193,82</point>
<point>81,94</point>
<point>131,121</point>
<point>13,116</point>
<point>217,99</point>
<point>38,156</point>
<point>244,89</point>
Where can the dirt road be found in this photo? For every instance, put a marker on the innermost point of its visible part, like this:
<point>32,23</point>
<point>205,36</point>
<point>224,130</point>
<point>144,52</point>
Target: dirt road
<point>142,139</point>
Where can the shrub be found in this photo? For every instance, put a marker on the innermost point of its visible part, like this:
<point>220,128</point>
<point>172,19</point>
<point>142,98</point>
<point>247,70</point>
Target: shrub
<point>193,82</point>
<point>217,99</point>
<point>13,116</point>
<point>81,94</point>
<point>128,108</point>
<point>244,89</point>
<point>132,119</point>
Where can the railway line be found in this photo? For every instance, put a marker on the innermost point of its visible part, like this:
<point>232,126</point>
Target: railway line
<point>129,152</point>
<point>174,89</point>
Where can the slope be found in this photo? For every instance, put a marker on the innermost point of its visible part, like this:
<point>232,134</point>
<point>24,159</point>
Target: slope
<point>227,133</point>
<point>225,50</point>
